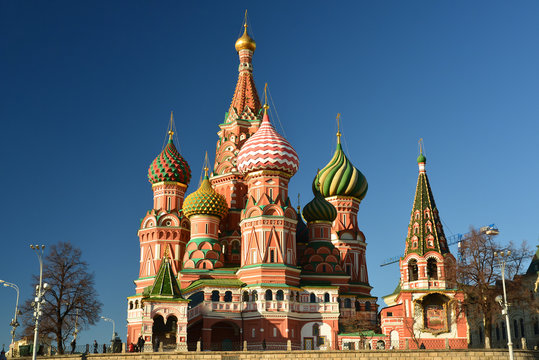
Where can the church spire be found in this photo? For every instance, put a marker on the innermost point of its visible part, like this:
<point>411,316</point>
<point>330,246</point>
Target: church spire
<point>425,232</point>
<point>245,102</point>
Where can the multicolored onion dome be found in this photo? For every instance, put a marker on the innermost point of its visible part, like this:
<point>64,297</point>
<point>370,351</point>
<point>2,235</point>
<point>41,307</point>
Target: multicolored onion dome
<point>340,178</point>
<point>169,166</point>
<point>322,257</point>
<point>267,150</point>
<point>421,159</point>
<point>205,201</point>
<point>319,209</point>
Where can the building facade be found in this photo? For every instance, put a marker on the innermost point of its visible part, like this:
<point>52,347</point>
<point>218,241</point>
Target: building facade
<point>425,309</point>
<point>234,262</point>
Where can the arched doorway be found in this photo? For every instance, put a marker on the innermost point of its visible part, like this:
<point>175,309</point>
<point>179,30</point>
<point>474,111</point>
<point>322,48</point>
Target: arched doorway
<point>394,338</point>
<point>164,333</point>
<point>194,334</point>
<point>225,336</point>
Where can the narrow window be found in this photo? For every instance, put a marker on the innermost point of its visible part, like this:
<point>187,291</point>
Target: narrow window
<point>253,257</point>
<point>269,295</point>
<point>432,269</point>
<point>272,256</point>
<point>168,203</point>
<point>253,332</point>
<point>274,332</point>
<point>289,256</point>
<point>344,219</point>
<point>271,194</point>
<point>326,297</point>
<point>206,228</point>
<point>312,298</point>
<point>412,270</point>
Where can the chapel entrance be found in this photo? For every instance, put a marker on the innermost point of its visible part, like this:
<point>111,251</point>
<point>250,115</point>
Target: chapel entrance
<point>163,332</point>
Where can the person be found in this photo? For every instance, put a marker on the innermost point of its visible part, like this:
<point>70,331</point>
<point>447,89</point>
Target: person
<point>95,346</point>
<point>73,345</point>
<point>140,344</point>
<point>156,344</point>
<point>3,355</point>
<point>104,348</point>
<point>131,347</point>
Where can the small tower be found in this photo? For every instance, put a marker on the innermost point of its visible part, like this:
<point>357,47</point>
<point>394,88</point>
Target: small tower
<point>427,262</point>
<point>205,208</point>
<point>241,121</point>
<point>164,226</point>
<point>344,187</point>
<point>268,226</point>
<point>426,301</point>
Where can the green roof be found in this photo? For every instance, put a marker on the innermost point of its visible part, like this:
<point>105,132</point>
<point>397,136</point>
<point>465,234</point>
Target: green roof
<point>214,283</point>
<point>165,284</point>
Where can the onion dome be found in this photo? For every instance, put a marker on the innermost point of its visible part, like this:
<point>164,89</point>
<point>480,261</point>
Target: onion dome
<point>245,41</point>
<point>205,201</point>
<point>340,178</point>
<point>169,166</point>
<point>267,150</point>
<point>421,159</point>
<point>319,209</point>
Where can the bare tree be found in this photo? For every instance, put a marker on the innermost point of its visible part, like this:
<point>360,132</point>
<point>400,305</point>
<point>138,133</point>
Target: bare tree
<point>71,297</point>
<point>478,276</point>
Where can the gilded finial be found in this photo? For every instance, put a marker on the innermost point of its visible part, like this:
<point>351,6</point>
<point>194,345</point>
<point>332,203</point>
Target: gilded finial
<point>266,106</point>
<point>298,204</point>
<point>420,144</point>
<point>245,41</point>
<point>165,255</point>
<point>338,128</point>
<point>170,132</point>
<point>206,164</point>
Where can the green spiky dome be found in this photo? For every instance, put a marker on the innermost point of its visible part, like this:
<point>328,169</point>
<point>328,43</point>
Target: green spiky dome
<point>319,209</point>
<point>421,159</point>
<point>340,178</point>
<point>205,201</point>
<point>169,165</point>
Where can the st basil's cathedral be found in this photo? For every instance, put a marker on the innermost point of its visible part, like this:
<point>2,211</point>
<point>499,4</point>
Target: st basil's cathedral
<point>234,264</point>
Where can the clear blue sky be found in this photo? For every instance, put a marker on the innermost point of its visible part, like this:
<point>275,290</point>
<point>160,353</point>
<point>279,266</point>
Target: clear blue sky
<point>87,88</point>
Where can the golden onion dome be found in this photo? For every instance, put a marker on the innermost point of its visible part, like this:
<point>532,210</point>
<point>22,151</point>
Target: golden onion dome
<point>205,201</point>
<point>245,41</point>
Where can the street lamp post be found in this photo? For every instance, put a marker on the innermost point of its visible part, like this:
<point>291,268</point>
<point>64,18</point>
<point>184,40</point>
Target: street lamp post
<point>505,306</point>
<point>113,325</point>
<point>14,323</point>
<point>40,292</point>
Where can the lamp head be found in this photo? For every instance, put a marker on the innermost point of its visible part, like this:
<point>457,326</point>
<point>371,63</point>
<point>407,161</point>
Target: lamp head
<point>46,286</point>
<point>499,300</point>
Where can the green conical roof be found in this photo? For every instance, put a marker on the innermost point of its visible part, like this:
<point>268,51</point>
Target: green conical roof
<point>425,232</point>
<point>165,284</point>
<point>340,177</point>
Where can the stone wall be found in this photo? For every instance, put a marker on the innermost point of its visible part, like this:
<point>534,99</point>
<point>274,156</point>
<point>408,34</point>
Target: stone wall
<point>492,354</point>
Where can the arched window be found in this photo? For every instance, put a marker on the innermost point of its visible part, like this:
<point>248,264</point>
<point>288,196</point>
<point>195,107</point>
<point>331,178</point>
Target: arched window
<point>245,296</point>
<point>504,334</point>
<point>347,303</point>
<point>312,298</point>
<point>368,306</point>
<point>136,304</point>
<point>130,305</point>
<point>536,326</point>
<point>228,296</point>
<point>515,327</point>
<point>297,296</point>
<point>412,270</point>
<point>522,333</point>
<point>269,295</point>
<point>357,305</point>
<point>326,297</point>
<point>215,295</point>
<point>497,332</point>
<point>254,296</point>
<point>432,269</point>
<point>279,296</point>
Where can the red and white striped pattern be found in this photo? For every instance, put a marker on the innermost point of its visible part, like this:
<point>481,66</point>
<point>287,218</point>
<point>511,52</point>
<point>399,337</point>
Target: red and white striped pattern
<point>267,150</point>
